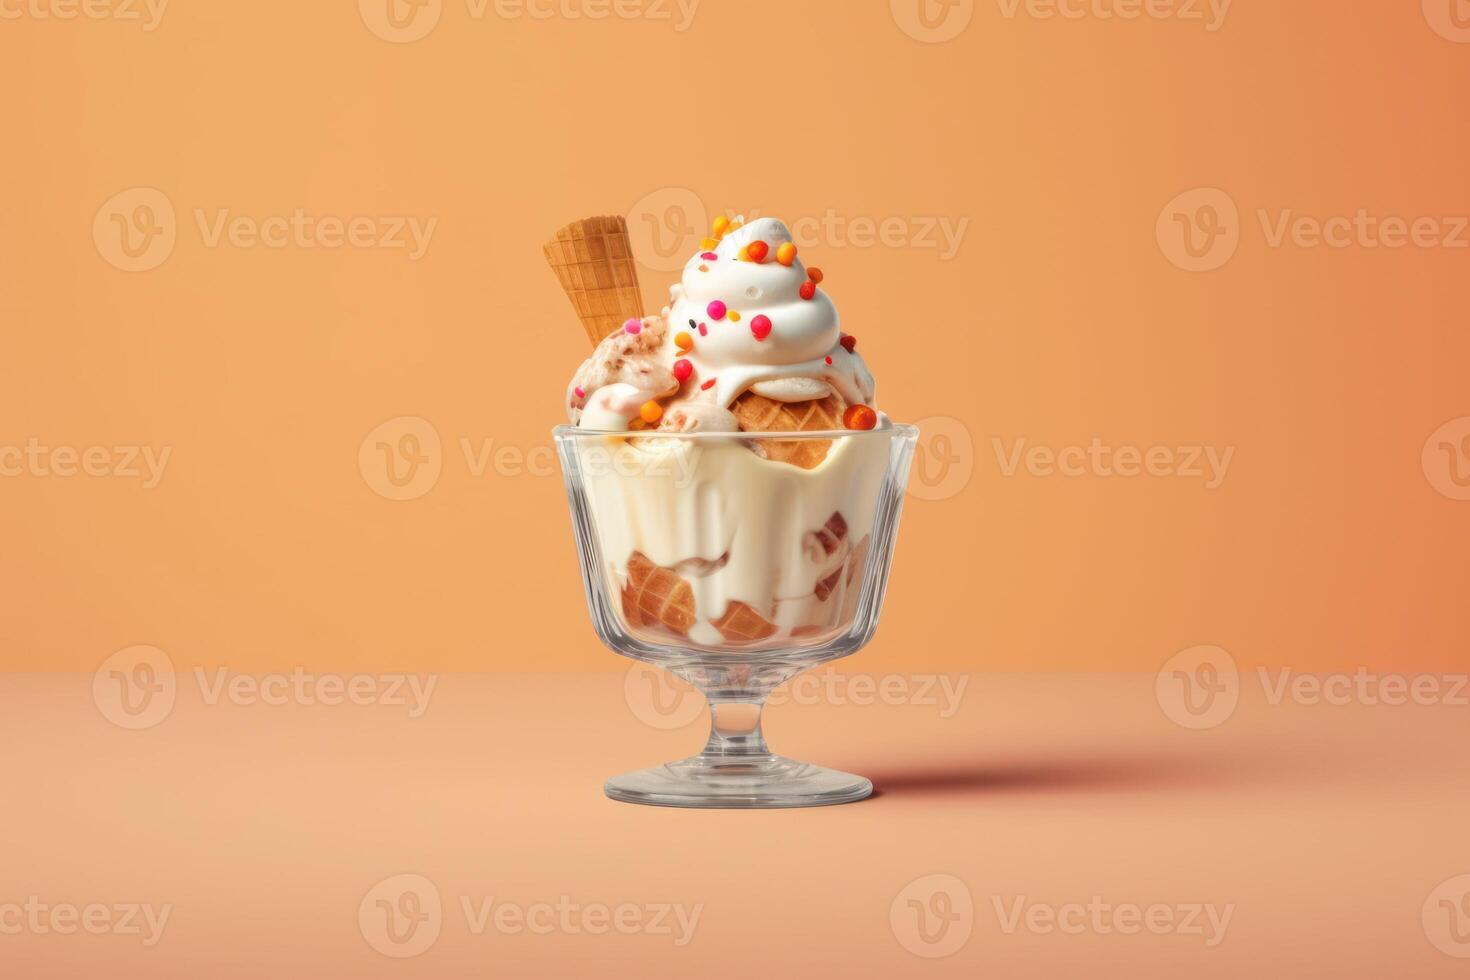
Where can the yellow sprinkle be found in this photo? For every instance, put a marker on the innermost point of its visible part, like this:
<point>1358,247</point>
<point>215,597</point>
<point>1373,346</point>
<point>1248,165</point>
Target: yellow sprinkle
<point>651,412</point>
<point>708,244</point>
<point>734,317</point>
<point>722,226</point>
<point>744,254</point>
<point>786,254</point>
<point>683,341</point>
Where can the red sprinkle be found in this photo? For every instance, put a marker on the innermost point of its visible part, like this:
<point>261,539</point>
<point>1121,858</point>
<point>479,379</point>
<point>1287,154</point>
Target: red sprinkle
<point>848,342</point>
<point>580,392</point>
<point>707,385</point>
<point>760,326</point>
<point>682,370</point>
<point>808,290</point>
<point>829,359</point>
<point>814,274</point>
<point>758,251</point>
<point>704,330</point>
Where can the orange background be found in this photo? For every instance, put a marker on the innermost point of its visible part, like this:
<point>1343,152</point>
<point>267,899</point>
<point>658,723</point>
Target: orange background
<point>1060,318</point>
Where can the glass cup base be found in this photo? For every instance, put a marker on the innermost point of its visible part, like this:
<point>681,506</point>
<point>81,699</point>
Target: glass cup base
<point>749,783</point>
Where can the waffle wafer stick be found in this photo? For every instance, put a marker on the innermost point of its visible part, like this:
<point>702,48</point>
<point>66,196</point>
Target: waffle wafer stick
<point>593,261</point>
<point>657,596</point>
<point>742,624</point>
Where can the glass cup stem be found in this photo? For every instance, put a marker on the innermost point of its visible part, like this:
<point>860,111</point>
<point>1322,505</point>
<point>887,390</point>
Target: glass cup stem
<point>735,731</point>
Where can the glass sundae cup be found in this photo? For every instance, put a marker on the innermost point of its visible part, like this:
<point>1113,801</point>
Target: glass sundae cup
<point>705,554</point>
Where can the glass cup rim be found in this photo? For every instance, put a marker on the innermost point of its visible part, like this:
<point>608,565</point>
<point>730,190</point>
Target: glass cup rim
<point>892,430</point>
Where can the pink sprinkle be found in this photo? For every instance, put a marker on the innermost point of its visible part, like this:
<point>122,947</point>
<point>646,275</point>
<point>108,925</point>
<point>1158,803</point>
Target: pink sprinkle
<point>703,330</point>
<point>707,385</point>
<point>760,326</point>
<point>580,392</point>
<point>717,310</point>
<point>709,256</point>
<point>633,325</point>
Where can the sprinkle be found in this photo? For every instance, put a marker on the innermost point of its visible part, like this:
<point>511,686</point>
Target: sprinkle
<point>786,253</point>
<point>707,243</point>
<point>682,370</point>
<point>829,358</point>
<point>734,316</point>
<point>848,342</point>
<point>709,256</point>
<point>859,417</point>
<point>722,226</point>
<point>704,268</point>
<point>743,255</point>
<point>808,290</point>
<point>815,274</point>
<point>652,411</point>
<point>703,330</point>
<point>580,392</point>
<point>716,310</point>
<point>707,385</point>
<point>633,326</point>
<point>760,326</point>
<point>683,341</point>
<point>758,251</point>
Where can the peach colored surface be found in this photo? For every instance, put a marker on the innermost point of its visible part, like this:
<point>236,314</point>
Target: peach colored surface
<point>265,828</point>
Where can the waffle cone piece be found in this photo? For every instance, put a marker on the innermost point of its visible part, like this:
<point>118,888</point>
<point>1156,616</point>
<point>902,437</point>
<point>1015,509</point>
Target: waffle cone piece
<point>756,413</point>
<point>655,596</point>
<point>593,261</point>
<point>742,624</point>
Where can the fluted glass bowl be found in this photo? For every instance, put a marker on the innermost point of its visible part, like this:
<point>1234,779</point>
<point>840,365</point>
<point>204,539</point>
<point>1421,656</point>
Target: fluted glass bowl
<point>736,561</point>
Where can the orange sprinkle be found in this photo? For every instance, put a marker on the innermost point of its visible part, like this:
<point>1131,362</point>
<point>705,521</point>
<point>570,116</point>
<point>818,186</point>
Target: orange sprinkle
<point>683,341</point>
<point>652,411</point>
